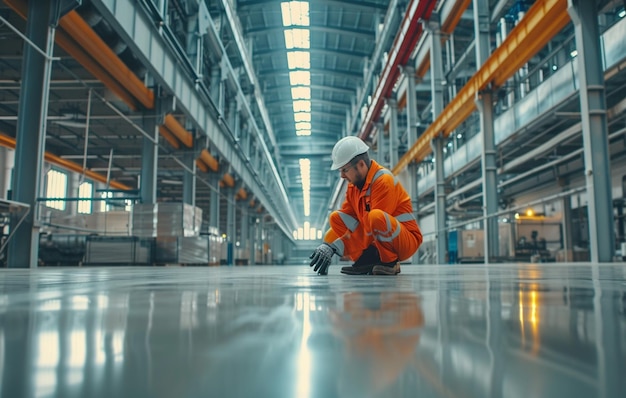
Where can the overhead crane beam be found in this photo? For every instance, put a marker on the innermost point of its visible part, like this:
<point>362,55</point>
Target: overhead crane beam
<point>541,23</point>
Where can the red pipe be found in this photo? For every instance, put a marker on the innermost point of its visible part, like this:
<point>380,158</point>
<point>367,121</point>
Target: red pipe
<point>404,43</point>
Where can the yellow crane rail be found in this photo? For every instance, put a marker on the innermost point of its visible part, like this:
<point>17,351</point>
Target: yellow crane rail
<point>540,24</point>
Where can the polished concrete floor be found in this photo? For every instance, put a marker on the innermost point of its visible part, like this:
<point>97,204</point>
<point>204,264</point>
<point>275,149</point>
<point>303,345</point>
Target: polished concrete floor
<point>270,331</point>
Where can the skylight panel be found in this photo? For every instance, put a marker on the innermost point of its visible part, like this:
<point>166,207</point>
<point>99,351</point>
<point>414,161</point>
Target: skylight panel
<point>300,78</point>
<point>295,13</point>
<point>297,38</point>
<point>303,126</point>
<point>302,106</point>
<point>299,59</point>
<point>302,117</point>
<point>301,92</point>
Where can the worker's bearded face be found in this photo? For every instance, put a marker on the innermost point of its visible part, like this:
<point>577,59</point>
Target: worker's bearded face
<point>355,174</point>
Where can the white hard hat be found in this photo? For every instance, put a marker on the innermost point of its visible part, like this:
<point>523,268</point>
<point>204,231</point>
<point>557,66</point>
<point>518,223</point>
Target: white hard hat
<point>346,149</point>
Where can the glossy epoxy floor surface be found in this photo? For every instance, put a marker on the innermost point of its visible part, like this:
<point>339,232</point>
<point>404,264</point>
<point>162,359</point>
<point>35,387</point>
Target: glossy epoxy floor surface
<point>270,331</point>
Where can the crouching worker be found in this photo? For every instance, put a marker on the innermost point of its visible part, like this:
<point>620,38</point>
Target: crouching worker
<point>375,226</point>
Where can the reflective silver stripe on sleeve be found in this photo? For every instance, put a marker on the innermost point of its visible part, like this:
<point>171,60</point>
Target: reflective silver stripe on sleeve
<point>338,243</point>
<point>349,221</point>
<point>404,217</point>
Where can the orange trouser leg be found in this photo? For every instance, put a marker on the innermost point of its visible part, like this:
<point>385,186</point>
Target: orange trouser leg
<point>393,241</point>
<point>354,241</point>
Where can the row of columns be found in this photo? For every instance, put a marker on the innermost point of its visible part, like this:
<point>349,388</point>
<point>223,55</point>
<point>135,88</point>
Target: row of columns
<point>595,133</point>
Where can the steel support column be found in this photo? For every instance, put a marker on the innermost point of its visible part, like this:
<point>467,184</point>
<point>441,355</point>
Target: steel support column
<point>189,178</point>
<point>216,85</point>
<point>234,110</point>
<point>230,226</point>
<point>481,31</point>
<point>149,158</point>
<point>440,201</point>
<point>194,42</point>
<point>262,237</point>
<point>436,69</point>
<point>214,204</point>
<point>245,225</point>
<point>381,143</point>
<point>23,249</point>
<point>393,131</point>
<point>73,185</point>
<point>412,120</point>
<point>484,103</point>
<point>436,86</point>
<point>231,209</point>
<point>252,238</point>
<point>595,132</point>
<point>489,182</point>
<point>566,223</point>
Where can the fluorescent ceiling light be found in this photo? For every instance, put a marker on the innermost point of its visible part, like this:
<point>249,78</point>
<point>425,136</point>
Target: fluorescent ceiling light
<point>300,78</point>
<point>302,106</point>
<point>299,60</point>
<point>302,117</point>
<point>295,13</point>
<point>301,93</point>
<point>297,38</point>
<point>303,133</point>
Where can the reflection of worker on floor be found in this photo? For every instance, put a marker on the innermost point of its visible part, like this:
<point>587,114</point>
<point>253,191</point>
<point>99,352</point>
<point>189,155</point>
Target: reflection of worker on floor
<point>381,332</point>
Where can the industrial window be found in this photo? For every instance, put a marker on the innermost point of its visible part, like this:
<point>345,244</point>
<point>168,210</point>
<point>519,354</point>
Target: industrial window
<point>112,203</point>
<point>85,190</point>
<point>103,203</point>
<point>56,187</point>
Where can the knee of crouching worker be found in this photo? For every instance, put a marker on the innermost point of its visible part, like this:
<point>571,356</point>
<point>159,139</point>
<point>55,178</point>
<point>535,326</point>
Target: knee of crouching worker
<point>377,217</point>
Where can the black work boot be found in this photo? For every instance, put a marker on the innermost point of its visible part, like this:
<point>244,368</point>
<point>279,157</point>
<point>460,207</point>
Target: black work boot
<point>364,264</point>
<point>391,268</point>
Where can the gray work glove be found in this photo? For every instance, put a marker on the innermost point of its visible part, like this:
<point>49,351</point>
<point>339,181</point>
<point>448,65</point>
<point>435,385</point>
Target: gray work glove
<point>321,258</point>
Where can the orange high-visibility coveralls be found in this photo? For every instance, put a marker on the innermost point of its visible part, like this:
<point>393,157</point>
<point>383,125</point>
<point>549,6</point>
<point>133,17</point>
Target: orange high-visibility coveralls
<point>381,214</point>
